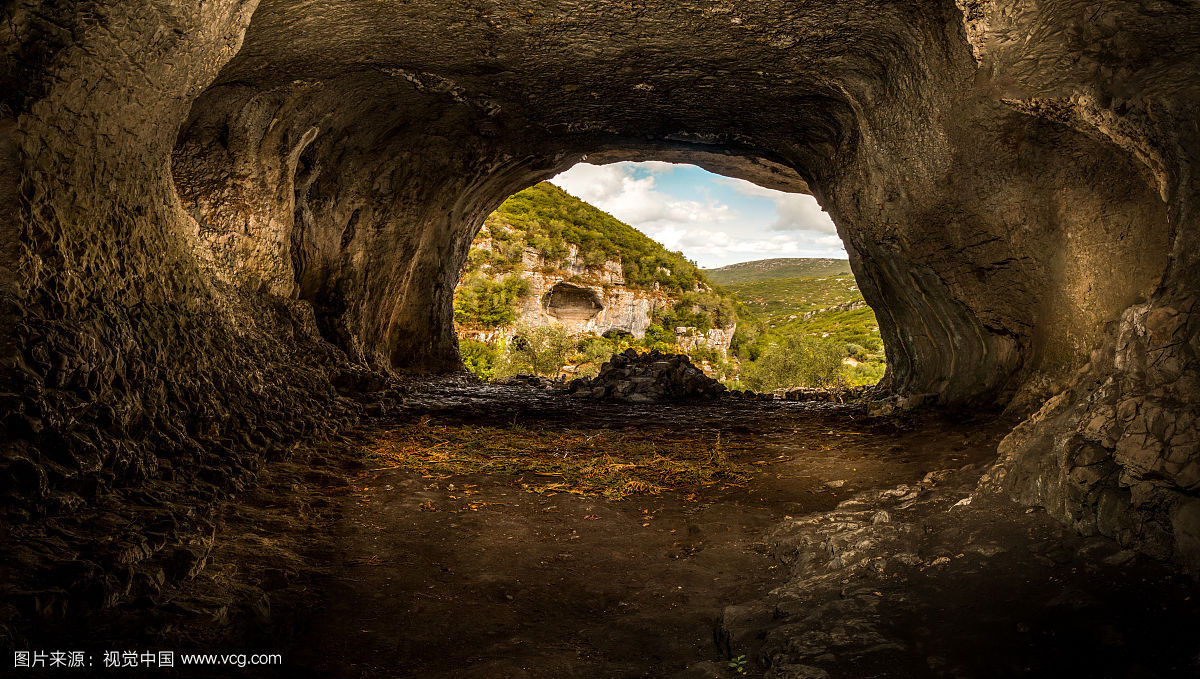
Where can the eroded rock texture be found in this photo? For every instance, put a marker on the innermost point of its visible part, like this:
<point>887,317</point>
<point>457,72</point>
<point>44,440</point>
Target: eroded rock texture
<point>212,208</point>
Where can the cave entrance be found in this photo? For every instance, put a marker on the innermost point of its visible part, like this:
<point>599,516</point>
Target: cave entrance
<point>571,302</point>
<point>752,283</point>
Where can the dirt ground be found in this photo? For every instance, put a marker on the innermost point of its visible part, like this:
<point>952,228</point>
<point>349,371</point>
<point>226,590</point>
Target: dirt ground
<point>846,547</point>
<point>474,576</point>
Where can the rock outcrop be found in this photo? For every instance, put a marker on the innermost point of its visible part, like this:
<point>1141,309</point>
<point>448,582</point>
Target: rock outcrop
<point>581,299</point>
<point>647,378</point>
<point>593,300</point>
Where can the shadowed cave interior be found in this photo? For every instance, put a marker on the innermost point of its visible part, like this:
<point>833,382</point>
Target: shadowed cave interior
<point>572,302</point>
<point>231,232</point>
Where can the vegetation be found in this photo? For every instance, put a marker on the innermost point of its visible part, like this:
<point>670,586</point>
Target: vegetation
<point>797,361</point>
<point>613,464</point>
<point>779,298</point>
<point>535,351</point>
<point>793,324</point>
<point>483,301</point>
<point>547,219</point>
<point>780,310</point>
<point>479,357</point>
<point>547,350</point>
<point>495,285</point>
<point>772,269</point>
<point>700,310</point>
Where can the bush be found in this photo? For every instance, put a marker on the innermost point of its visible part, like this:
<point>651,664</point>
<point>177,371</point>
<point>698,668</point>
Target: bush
<point>866,373</point>
<point>659,338</point>
<point>797,361</point>
<point>484,302</point>
<point>536,351</point>
<point>704,353</point>
<point>744,343</point>
<point>479,357</point>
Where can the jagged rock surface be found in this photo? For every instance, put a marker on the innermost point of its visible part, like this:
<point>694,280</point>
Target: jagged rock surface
<point>933,579</point>
<point>646,378</point>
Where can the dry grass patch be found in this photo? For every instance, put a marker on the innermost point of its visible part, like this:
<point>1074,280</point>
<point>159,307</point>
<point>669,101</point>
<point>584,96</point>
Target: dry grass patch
<point>614,464</point>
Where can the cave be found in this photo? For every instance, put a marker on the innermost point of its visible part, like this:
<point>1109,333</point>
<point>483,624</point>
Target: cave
<point>231,232</point>
<point>569,302</point>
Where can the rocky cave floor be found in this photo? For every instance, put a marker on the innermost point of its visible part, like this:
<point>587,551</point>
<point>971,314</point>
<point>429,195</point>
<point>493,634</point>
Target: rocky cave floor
<point>856,549</point>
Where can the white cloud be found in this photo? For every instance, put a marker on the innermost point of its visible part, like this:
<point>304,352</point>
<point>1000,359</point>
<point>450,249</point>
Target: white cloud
<point>712,232</point>
<point>797,211</point>
<point>618,191</point>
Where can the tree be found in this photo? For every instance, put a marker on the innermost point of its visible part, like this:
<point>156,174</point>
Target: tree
<point>797,361</point>
<point>537,351</point>
<point>479,357</point>
<point>483,301</point>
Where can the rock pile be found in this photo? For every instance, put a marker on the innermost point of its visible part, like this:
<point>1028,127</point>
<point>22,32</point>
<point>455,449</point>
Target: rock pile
<point>646,378</point>
<point>530,381</point>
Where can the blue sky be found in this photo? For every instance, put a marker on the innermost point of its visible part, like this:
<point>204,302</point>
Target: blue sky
<point>713,220</point>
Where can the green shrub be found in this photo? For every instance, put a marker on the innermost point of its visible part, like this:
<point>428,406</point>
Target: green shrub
<point>479,357</point>
<point>797,361</point>
<point>866,373</point>
<point>482,301</point>
<point>591,353</point>
<point>658,337</point>
<point>536,351</point>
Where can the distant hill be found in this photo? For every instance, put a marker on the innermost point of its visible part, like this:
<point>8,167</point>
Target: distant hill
<point>786,267</point>
<point>807,297</point>
<point>782,297</point>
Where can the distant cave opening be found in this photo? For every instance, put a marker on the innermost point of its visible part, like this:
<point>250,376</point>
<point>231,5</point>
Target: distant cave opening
<point>570,302</point>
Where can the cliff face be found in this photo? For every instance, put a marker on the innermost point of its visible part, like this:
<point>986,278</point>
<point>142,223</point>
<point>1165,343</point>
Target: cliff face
<point>592,300</point>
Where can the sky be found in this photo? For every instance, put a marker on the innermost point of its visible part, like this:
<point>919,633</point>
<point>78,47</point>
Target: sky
<point>712,220</point>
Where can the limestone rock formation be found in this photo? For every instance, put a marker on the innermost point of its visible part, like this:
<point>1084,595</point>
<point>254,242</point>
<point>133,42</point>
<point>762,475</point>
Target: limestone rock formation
<point>580,299</point>
<point>207,209</point>
<point>585,298</point>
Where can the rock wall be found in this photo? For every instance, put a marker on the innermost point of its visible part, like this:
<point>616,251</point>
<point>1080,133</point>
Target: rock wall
<point>1115,451</point>
<point>592,300</point>
<point>137,388</point>
<point>209,209</point>
<point>585,300</point>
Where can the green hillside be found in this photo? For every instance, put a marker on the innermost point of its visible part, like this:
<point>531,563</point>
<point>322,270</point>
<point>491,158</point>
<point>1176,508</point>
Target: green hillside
<point>788,331</point>
<point>786,267</point>
<point>789,311</point>
<point>495,285</point>
<point>548,219</point>
<point>781,297</point>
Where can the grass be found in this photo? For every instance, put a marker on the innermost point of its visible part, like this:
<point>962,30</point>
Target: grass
<point>780,297</point>
<point>613,464</point>
<point>857,327</point>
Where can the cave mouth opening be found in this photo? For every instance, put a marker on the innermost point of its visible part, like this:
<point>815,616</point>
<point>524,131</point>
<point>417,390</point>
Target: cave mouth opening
<point>571,302</point>
<point>754,284</point>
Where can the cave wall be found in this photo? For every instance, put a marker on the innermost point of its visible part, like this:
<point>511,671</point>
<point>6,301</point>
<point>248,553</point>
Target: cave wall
<point>138,389</point>
<point>1115,451</point>
<point>213,210</point>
